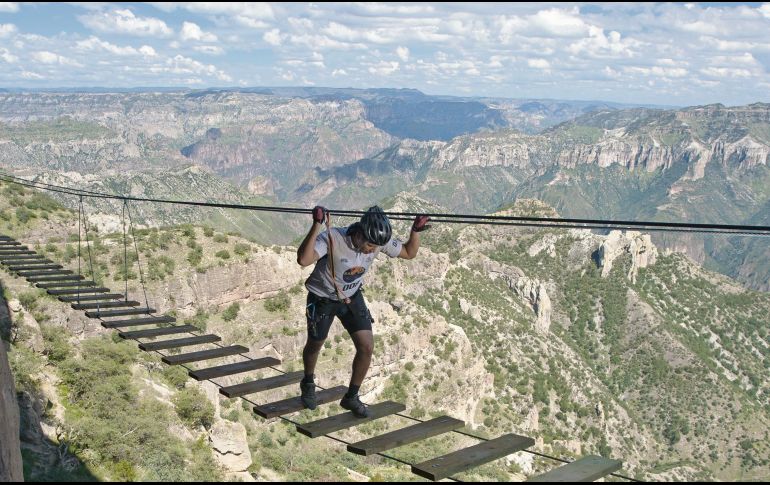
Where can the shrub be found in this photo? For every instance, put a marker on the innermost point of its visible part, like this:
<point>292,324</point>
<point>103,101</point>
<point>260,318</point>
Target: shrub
<point>241,249</point>
<point>220,238</point>
<point>194,408</point>
<point>278,303</point>
<point>231,312</point>
<point>223,254</point>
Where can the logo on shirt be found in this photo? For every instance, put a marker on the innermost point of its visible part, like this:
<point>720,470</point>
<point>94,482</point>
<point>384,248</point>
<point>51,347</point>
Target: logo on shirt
<point>353,274</point>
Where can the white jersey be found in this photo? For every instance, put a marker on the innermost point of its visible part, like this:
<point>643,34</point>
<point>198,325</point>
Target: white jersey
<point>349,265</point>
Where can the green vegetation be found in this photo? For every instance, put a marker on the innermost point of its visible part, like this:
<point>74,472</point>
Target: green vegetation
<point>278,303</point>
<point>231,312</point>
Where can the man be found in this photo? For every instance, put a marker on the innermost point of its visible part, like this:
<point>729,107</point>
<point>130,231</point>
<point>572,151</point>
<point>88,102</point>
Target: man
<point>334,289</point>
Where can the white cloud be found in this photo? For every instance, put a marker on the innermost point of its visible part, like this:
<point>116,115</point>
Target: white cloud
<point>251,10</point>
<point>666,72</point>
<point>185,65</point>
<point>273,37</point>
<point>147,51</point>
<point>125,22</point>
<point>209,49</point>
<point>6,56</point>
<point>383,9</point>
<point>31,75</point>
<point>93,43</point>
<point>6,30</point>
<point>323,42</point>
<point>558,22</point>
<point>402,53</point>
<point>384,68</point>
<point>47,57</point>
<point>9,7</point>
<point>600,46</point>
<point>538,63</point>
<point>339,72</point>
<point>726,72</point>
<point>191,31</point>
<point>764,9</point>
<point>343,32</point>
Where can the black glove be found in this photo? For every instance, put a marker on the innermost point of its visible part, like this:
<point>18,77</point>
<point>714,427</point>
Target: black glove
<point>420,223</point>
<point>319,214</point>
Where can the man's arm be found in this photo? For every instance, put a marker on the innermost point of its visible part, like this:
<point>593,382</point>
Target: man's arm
<point>409,250</point>
<point>306,254</point>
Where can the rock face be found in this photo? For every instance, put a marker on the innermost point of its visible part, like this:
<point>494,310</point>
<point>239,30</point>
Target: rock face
<point>230,444</point>
<point>10,450</point>
<point>639,246</point>
<point>531,290</point>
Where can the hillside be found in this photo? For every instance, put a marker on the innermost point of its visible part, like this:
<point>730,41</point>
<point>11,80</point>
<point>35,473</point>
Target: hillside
<point>588,343</point>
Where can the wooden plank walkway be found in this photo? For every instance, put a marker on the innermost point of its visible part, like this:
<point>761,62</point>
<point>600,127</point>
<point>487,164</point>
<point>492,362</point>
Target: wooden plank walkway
<point>586,469</point>
<point>473,456</point>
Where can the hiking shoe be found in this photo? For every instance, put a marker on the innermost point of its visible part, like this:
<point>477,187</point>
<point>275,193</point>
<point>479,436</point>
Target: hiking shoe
<point>355,405</point>
<point>308,394</point>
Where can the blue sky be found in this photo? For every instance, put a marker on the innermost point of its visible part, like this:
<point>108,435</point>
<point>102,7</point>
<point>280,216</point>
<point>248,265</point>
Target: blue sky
<point>671,53</point>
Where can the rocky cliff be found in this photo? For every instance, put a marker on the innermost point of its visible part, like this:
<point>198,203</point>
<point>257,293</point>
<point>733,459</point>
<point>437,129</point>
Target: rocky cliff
<point>10,447</point>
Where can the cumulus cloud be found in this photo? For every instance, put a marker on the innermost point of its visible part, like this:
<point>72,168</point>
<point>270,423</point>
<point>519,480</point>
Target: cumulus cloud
<point>601,46</point>
<point>384,68</point>
<point>402,53</point>
<point>180,64</point>
<point>6,30</point>
<point>558,22</point>
<point>125,22</point>
<point>538,63</point>
<point>212,50</point>
<point>31,75</point>
<point>47,57</point>
<point>93,43</point>
<point>7,56</point>
<point>273,37</point>
<point>191,31</point>
<point>9,7</point>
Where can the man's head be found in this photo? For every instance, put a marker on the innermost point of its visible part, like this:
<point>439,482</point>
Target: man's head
<point>375,229</point>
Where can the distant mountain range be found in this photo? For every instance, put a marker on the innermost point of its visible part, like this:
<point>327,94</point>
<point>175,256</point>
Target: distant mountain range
<point>348,148</point>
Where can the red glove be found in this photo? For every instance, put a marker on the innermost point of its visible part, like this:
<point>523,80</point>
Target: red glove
<point>420,223</point>
<point>319,214</point>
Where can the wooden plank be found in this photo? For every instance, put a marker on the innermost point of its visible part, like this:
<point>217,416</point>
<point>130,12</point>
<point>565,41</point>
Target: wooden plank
<point>157,332</point>
<point>346,420</point>
<point>57,272</point>
<point>24,258</point>
<point>405,436</point>
<point>66,284</point>
<point>231,369</point>
<point>119,313</point>
<point>262,384</point>
<point>204,355</point>
<point>17,252</point>
<point>179,342</point>
<point>586,469</point>
<point>26,266</point>
<point>104,304</point>
<point>80,291</point>
<point>293,404</point>
<point>467,458</point>
<point>40,279</point>
<point>133,322</point>
<point>81,297</point>
<point>8,242</point>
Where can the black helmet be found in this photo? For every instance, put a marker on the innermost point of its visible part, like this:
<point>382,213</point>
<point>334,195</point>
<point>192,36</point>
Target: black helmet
<point>376,226</point>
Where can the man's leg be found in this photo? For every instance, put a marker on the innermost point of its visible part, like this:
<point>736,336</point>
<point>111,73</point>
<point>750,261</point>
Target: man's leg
<point>310,354</point>
<point>364,342</point>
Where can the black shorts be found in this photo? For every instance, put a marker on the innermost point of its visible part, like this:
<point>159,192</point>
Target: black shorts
<point>321,312</point>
